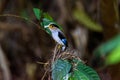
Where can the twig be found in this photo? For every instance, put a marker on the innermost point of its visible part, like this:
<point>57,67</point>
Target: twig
<point>42,63</point>
<point>44,75</point>
<point>4,66</point>
<point>54,54</point>
<point>16,16</point>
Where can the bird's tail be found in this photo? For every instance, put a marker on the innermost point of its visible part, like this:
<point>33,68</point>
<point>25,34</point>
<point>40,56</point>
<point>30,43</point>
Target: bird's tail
<point>64,48</point>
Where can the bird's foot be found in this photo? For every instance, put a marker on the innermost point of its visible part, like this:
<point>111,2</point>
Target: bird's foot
<point>59,47</point>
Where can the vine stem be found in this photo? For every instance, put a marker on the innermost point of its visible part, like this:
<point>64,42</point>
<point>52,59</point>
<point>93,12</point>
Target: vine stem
<point>16,16</point>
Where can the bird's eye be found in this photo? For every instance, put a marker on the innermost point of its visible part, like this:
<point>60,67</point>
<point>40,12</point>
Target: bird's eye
<point>51,26</point>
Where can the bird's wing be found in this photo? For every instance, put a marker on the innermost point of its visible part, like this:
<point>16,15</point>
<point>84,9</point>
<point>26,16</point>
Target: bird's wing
<point>62,37</point>
<point>60,34</point>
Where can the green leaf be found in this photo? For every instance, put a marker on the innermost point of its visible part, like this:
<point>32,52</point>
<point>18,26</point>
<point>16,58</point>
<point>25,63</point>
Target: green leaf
<point>88,72</point>
<point>38,13</point>
<point>46,15</point>
<point>82,72</point>
<point>114,56</point>
<point>82,17</point>
<point>77,75</point>
<point>60,69</point>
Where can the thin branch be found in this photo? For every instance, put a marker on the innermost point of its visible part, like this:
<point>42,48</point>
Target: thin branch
<point>16,16</point>
<point>44,75</point>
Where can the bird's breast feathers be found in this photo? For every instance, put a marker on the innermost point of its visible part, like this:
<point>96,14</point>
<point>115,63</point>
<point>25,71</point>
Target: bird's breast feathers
<point>57,38</point>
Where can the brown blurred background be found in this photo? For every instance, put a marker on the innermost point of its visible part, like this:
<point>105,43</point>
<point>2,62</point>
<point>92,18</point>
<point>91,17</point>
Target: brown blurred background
<point>25,46</point>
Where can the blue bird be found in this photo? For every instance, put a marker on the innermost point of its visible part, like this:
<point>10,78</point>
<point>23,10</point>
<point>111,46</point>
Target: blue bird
<point>58,35</point>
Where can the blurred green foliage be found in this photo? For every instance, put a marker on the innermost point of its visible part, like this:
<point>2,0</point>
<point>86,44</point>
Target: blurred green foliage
<point>83,18</point>
<point>110,50</point>
<point>114,56</point>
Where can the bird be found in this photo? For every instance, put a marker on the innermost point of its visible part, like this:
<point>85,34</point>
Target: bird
<point>58,35</point>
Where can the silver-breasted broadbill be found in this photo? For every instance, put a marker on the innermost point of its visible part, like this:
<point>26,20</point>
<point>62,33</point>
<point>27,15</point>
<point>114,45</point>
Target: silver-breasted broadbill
<point>58,35</point>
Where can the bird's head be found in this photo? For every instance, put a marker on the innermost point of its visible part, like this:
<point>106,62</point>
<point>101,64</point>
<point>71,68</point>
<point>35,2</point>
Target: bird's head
<point>52,27</point>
